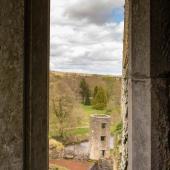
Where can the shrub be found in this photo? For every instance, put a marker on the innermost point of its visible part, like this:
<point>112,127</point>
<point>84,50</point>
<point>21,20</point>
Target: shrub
<point>55,144</point>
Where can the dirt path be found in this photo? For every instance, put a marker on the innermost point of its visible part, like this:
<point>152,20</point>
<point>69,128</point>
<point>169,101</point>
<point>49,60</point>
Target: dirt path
<point>72,164</point>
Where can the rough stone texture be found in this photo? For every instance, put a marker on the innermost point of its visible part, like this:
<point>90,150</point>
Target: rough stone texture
<point>160,73</point>
<point>124,103</point>
<point>160,41</point>
<point>11,84</point>
<point>160,124</point>
<point>148,91</point>
<point>139,124</point>
<point>139,89</point>
<point>97,131</point>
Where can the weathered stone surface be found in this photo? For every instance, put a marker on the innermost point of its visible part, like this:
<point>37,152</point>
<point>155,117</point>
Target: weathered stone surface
<point>124,104</point>
<point>124,98</point>
<point>11,84</point>
<point>160,41</point>
<point>160,124</point>
<point>149,125</point>
<point>148,100</point>
<point>139,102</point>
<point>139,38</point>
<point>99,127</point>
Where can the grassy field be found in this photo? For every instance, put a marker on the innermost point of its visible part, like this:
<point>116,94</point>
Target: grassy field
<point>69,84</point>
<point>88,110</point>
<point>78,131</point>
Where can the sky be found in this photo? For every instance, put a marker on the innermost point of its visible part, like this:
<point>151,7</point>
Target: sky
<point>86,36</point>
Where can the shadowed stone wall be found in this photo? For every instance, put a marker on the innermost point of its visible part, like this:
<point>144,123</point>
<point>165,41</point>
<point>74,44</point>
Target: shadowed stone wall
<point>11,84</point>
<point>160,90</point>
<point>24,63</point>
<point>36,84</point>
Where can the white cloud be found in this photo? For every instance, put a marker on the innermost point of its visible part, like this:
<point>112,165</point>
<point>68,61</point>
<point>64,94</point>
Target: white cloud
<point>83,38</point>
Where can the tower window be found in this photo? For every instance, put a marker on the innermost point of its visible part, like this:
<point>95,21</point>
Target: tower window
<point>103,153</point>
<point>103,138</point>
<point>103,125</point>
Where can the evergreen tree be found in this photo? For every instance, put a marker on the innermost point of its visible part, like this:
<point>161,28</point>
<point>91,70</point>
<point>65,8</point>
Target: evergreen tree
<point>85,92</point>
<point>100,99</point>
<point>83,89</point>
<point>87,97</point>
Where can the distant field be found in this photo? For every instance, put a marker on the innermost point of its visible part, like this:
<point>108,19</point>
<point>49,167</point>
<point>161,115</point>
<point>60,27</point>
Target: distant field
<point>68,84</point>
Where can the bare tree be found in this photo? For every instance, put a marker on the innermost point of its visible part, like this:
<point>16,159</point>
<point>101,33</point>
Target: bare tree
<point>62,109</point>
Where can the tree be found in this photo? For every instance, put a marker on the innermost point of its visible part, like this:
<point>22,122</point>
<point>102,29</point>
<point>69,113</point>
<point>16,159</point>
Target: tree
<point>87,97</point>
<point>82,88</point>
<point>85,92</point>
<point>95,91</point>
<point>100,99</point>
<point>62,110</point>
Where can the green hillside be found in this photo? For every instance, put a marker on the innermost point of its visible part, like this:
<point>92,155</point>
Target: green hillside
<point>76,124</point>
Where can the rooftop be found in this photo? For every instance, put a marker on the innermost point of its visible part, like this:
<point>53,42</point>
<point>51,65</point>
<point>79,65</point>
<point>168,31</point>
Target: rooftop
<point>100,116</point>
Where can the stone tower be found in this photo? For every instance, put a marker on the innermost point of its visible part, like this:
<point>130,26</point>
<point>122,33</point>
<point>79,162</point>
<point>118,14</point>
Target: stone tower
<point>99,136</point>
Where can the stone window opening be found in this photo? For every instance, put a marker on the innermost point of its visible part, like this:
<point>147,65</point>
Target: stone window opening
<point>103,125</point>
<point>103,153</point>
<point>103,138</point>
<point>131,84</point>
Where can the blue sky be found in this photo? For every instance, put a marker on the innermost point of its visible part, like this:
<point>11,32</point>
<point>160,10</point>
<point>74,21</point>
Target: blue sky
<point>118,15</point>
<point>87,36</point>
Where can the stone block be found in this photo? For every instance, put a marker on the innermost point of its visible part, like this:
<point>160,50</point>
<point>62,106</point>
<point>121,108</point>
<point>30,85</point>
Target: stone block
<point>139,122</point>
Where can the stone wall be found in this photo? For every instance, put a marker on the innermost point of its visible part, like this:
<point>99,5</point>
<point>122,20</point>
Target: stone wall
<point>148,86</point>
<point>160,80</point>
<point>124,103</point>
<point>11,84</point>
